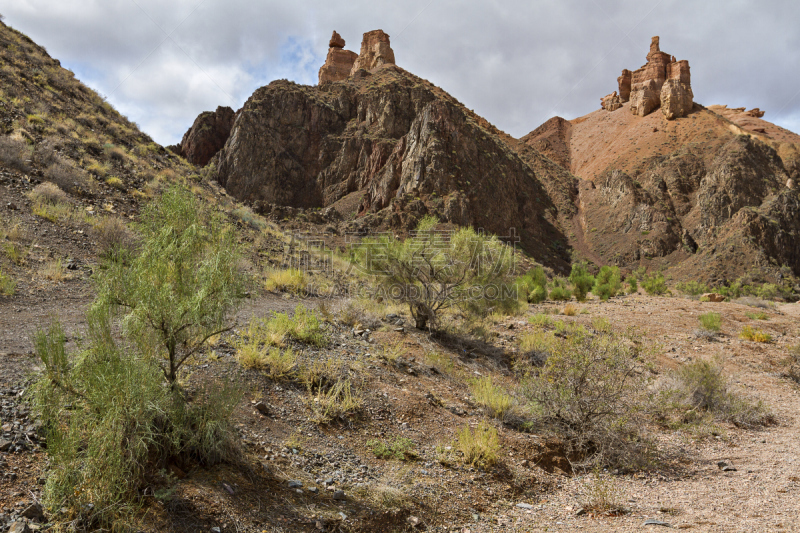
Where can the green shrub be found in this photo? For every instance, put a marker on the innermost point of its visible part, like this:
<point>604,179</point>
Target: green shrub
<point>654,284</point>
<point>479,448</point>
<point>749,333</point>
<point>760,315</point>
<point>607,283</point>
<point>591,391</point>
<point>710,321</point>
<point>702,385</point>
<point>401,449</point>
<point>182,283</point>
<point>560,292</point>
<point>338,402</point>
<point>692,288</point>
<point>304,326</point>
<point>437,271</point>
<point>532,286</point>
<point>581,280</point>
<point>7,285</point>
<point>540,319</point>
<point>633,284</point>
<point>492,397</point>
<point>290,280</point>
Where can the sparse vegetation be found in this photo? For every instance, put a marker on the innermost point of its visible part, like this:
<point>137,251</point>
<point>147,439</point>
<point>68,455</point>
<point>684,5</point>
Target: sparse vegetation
<point>750,333</point>
<point>560,292</point>
<point>710,321</point>
<point>400,448</point>
<point>532,286</point>
<point>338,402</point>
<point>607,283</point>
<point>289,280</point>
<point>480,447</point>
<point>759,315</point>
<point>7,285</point>
<point>491,397</point>
<point>654,284</point>
<point>581,280</point>
<point>692,288</point>
<point>600,494</point>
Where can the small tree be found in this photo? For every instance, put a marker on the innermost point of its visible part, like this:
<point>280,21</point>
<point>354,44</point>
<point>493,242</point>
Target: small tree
<point>533,285</point>
<point>434,270</point>
<point>179,288</point>
<point>607,283</point>
<point>581,280</point>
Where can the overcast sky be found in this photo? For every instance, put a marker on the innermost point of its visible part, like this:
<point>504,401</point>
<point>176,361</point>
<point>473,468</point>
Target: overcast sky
<point>515,62</point>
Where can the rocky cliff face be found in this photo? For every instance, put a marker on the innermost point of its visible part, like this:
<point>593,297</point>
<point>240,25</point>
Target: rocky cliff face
<point>375,51</point>
<point>403,146</point>
<point>207,135</point>
<point>663,82</point>
<point>340,64</point>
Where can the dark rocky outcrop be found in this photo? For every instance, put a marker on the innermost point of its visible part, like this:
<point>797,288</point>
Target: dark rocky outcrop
<point>207,135</point>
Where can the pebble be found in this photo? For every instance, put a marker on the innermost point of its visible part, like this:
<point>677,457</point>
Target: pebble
<point>654,522</point>
<point>525,506</point>
<point>295,484</point>
<point>339,495</point>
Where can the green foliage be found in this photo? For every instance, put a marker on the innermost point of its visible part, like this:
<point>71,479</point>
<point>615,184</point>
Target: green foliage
<point>432,271</point>
<point>759,315</point>
<point>182,283</point>
<point>559,291</point>
<point>7,285</point>
<point>492,397</point>
<point>533,285</point>
<point>607,282</point>
<point>702,385</point>
<point>338,402</point>
<point>110,420</point>
<point>401,449</point>
<point>540,319</point>
<point>591,391</point>
<point>581,280</point>
<point>633,284</point>
<point>654,284</point>
<point>710,321</point>
<point>479,448</point>
<point>750,333</point>
<point>692,288</point>
<point>304,326</point>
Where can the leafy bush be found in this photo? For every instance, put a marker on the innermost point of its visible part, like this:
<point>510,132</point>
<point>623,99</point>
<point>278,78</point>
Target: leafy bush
<point>560,292</point>
<point>654,284</point>
<point>492,397</point>
<point>710,321</point>
<point>581,280</point>
<point>590,390</point>
<point>607,283</point>
<point>533,285</point>
<point>111,423</point>
<point>479,448</point>
<point>702,385</point>
<point>431,271</point>
<point>401,449</point>
<point>633,284</point>
<point>692,288</point>
<point>7,285</point>
<point>180,286</point>
<point>749,333</point>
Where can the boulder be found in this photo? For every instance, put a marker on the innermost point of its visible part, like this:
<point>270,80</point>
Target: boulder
<point>676,99</point>
<point>375,51</point>
<point>207,135</point>
<point>336,41</point>
<point>611,102</point>
<point>713,297</point>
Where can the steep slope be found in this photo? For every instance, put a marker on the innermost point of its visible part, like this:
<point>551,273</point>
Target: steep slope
<point>404,147</point>
<point>703,194</point>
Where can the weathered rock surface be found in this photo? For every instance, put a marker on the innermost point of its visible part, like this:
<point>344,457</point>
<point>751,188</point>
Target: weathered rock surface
<point>207,135</point>
<point>375,51</point>
<point>645,86</point>
<point>611,102</point>
<point>339,61</point>
<point>398,145</point>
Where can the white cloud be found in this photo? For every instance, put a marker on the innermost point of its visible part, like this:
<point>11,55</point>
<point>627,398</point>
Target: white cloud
<point>515,62</point>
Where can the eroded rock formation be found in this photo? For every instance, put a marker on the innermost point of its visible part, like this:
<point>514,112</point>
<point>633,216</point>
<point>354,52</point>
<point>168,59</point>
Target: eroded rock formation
<point>207,135</point>
<point>375,51</point>
<point>662,82</point>
<point>611,102</point>
<point>339,62</point>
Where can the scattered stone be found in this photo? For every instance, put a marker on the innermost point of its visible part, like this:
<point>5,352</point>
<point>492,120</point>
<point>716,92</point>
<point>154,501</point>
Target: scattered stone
<point>295,484</point>
<point>713,297</point>
<point>413,521</point>
<point>525,506</point>
<point>216,530</point>
<point>5,445</point>
<point>19,527</point>
<point>654,522</point>
<point>339,495</point>
<point>33,512</point>
<point>262,408</point>
<point>722,464</point>
<point>313,490</point>
<point>729,468</point>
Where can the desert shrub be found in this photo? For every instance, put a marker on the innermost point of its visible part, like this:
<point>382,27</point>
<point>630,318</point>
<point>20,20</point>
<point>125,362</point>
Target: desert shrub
<point>702,385</point>
<point>768,291</point>
<point>750,333</point>
<point>338,402</point>
<point>289,280</point>
<point>602,325</point>
<point>491,397</point>
<point>692,288</point>
<point>246,216</point>
<point>600,494</point>
<point>792,361</point>
<point>532,286</point>
<point>179,287</point>
<point>569,310</point>
<point>7,284</point>
<point>111,424</point>
<point>15,153</point>
<point>590,390</point>
<point>540,319</point>
<point>654,284</point>
<point>633,284</point>
<point>760,315</point>
<point>752,301</point>
<point>710,321</point>
<point>115,153</point>
<point>68,178</point>
<point>607,283</point>
<point>480,447</point>
<point>432,271</point>
<point>49,193</point>
<point>115,240</point>
<point>581,280</point>
<point>304,326</point>
<point>115,182</point>
<point>401,449</point>
<point>560,292</point>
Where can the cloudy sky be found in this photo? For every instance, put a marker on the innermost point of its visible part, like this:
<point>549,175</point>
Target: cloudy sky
<point>515,62</point>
